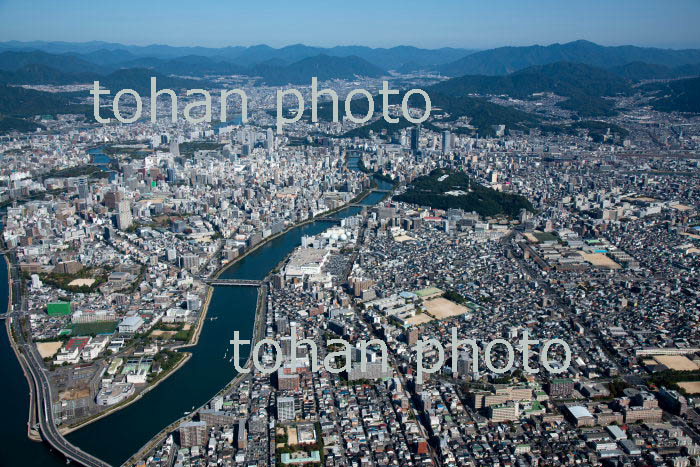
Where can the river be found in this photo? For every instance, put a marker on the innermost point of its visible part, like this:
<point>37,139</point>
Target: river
<point>116,437</point>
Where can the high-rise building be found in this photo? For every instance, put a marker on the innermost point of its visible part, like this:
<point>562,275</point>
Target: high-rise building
<point>285,409</point>
<point>415,139</point>
<point>112,198</point>
<point>83,188</point>
<point>189,261</point>
<point>446,141</point>
<point>193,434</point>
<point>172,174</point>
<point>269,140</point>
<point>124,219</point>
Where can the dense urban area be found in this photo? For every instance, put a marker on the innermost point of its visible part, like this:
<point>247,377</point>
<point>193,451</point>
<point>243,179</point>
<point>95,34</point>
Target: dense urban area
<point>515,209</point>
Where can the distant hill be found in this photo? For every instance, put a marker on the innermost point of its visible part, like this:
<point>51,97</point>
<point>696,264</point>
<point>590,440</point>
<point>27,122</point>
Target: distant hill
<point>431,190</point>
<point>16,101</point>
<point>562,78</point>
<point>10,124</point>
<point>105,57</point>
<point>401,57</point>
<point>190,65</point>
<point>110,54</point>
<point>638,71</point>
<point>482,115</point>
<point>35,67</point>
<point>584,85</point>
<point>324,67</point>
<point>681,95</point>
<point>13,61</point>
<point>599,131</point>
<point>504,60</point>
<point>139,79</point>
<point>42,74</point>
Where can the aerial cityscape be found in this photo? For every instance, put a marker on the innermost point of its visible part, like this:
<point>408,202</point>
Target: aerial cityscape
<point>449,237</point>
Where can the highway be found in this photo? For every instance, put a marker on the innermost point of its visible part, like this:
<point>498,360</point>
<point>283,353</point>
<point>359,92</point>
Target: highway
<point>31,360</point>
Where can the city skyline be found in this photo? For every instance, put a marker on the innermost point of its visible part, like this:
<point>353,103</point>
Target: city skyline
<point>453,24</point>
<point>361,234</point>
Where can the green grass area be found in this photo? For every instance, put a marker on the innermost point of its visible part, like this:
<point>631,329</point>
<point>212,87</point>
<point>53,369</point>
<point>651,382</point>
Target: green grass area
<point>190,147</point>
<point>545,237</point>
<point>92,329</point>
<point>61,281</point>
<point>88,170</point>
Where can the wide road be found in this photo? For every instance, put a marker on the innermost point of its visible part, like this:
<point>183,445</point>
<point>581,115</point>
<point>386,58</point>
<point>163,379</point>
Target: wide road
<point>44,399</point>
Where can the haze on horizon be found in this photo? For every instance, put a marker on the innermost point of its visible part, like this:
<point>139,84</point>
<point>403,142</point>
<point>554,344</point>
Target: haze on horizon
<point>451,23</point>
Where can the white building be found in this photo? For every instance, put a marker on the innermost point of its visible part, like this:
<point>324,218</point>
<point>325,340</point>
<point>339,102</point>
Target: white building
<point>130,324</point>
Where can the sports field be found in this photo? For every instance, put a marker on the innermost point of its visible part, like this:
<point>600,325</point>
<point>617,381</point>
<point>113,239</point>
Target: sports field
<point>691,387</point>
<point>92,329</point>
<point>441,308</point>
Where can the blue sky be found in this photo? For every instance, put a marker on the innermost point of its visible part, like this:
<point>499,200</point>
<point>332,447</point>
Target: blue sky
<point>378,23</point>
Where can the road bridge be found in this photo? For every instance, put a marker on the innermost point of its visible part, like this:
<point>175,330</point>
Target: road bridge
<point>234,282</point>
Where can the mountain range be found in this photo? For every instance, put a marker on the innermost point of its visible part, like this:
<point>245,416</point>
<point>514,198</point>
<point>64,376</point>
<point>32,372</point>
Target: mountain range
<point>274,64</point>
<point>36,67</point>
<point>583,85</point>
<point>113,54</point>
<point>681,95</point>
<point>586,74</point>
<point>505,60</point>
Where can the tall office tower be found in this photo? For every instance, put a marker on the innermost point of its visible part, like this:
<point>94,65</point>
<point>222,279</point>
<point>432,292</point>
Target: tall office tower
<point>124,219</point>
<point>171,174</point>
<point>269,140</point>
<point>446,142</point>
<point>83,188</point>
<point>175,147</point>
<point>193,434</point>
<point>285,409</point>
<point>415,139</point>
<point>112,198</point>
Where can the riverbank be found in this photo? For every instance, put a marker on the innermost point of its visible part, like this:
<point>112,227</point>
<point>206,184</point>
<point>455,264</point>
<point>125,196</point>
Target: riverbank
<point>291,227</point>
<point>122,405</point>
<point>31,433</point>
<point>209,369</point>
<point>160,437</point>
<point>258,328</point>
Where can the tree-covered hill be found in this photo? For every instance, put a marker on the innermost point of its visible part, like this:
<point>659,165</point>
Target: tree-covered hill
<point>432,190</point>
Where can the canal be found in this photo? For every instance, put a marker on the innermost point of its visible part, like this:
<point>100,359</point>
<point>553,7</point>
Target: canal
<point>116,437</point>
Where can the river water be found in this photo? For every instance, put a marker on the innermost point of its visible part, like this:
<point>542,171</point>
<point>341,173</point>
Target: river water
<point>116,437</point>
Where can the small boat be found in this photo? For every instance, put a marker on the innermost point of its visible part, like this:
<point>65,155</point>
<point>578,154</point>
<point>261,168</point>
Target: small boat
<point>186,413</point>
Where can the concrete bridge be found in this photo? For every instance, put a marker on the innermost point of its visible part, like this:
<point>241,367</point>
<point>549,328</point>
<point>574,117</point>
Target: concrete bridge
<point>234,282</point>
<point>47,425</point>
